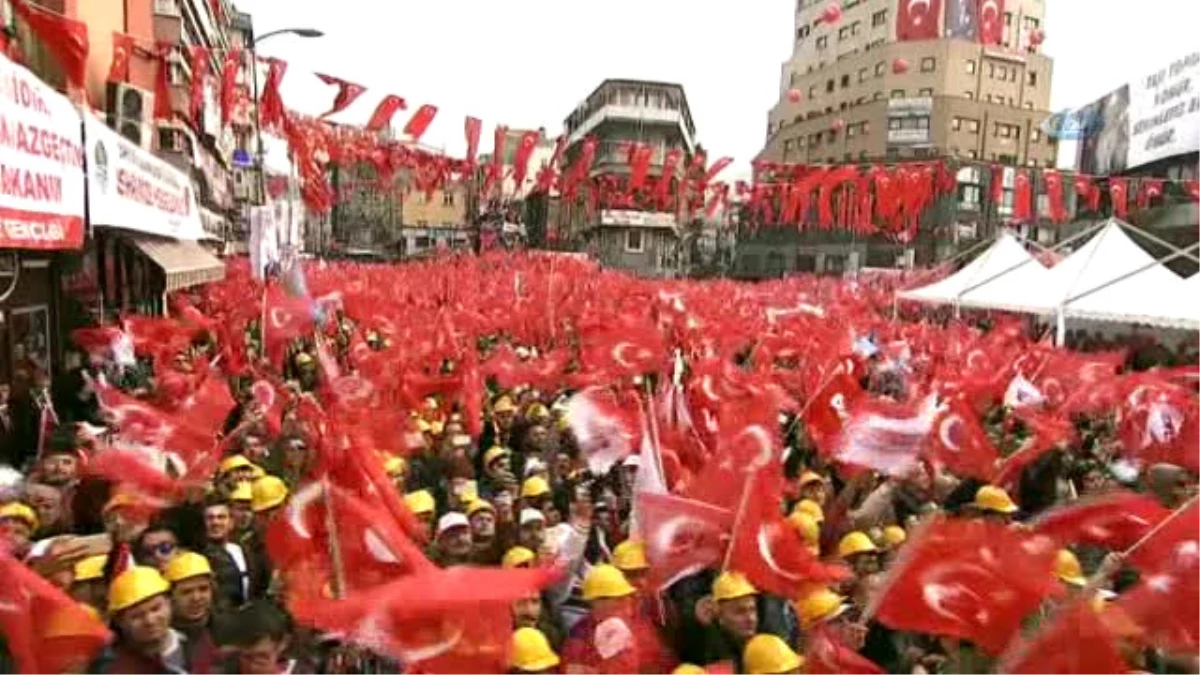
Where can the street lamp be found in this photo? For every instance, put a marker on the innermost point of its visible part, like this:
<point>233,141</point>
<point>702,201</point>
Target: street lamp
<point>253,44</point>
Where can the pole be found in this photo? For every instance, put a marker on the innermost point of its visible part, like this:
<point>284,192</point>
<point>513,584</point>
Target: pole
<point>335,549</point>
<point>258,142</point>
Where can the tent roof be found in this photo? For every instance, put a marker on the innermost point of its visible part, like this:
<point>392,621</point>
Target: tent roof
<point>1109,255</point>
<point>1003,255</point>
<point>1155,296</point>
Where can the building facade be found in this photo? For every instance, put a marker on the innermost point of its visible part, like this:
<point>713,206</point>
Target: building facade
<point>618,113</point>
<point>865,97</point>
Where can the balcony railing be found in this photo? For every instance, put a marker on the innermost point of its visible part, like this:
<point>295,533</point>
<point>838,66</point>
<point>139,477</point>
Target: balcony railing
<point>635,114</point>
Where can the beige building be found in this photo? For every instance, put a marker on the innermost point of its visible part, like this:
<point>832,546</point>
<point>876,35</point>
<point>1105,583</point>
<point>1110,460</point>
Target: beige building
<point>957,98</point>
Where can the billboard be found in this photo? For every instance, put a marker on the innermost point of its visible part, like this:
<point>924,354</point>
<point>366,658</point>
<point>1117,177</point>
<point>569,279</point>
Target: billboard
<point>1153,118</point>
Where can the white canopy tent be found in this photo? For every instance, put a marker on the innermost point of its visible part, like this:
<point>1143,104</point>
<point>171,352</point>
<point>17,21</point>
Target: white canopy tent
<point>1004,255</point>
<point>1152,295</point>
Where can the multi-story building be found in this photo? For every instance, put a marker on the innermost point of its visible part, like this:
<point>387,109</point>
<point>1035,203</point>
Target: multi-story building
<point>866,97</point>
<point>434,221</point>
<point>618,113</point>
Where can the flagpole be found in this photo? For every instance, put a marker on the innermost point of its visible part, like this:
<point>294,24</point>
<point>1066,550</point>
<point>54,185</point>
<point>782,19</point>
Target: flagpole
<point>335,549</point>
<point>1154,530</point>
<point>743,501</point>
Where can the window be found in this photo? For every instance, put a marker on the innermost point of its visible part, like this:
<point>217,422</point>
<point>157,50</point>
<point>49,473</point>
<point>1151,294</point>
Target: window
<point>1035,135</point>
<point>897,93</point>
<point>847,157</point>
<point>823,42</point>
<point>970,66</point>
<point>828,86</point>
<point>928,64</point>
<point>802,32</point>
<point>956,123</point>
<point>812,92</point>
<point>851,130</point>
<point>633,241</point>
<point>1032,163</point>
<point>863,74</point>
<point>1029,105</point>
<point>447,198</point>
<point>842,105</point>
<point>1002,130</point>
<point>1002,72</point>
<point>968,195</point>
<point>894,123</point>
<point>973,126</point>
<point>1031,78</point>
<point>927,91</point>
<point>865,127</point>
<point>862,155</point>
<point>971,154</point>
<point>877,96</point>
<point>969,95</point>
<point>787,145</point>
<point>792,78</point>
<point>879,68</point>
<point>893,153</point>
<point>1008,18</point>
<point>845,32</point>
<point>860,100</point>
<point>879,18</point>
<point>991,70</point>
<point>845,81</point>
<point>799,142</point>
<point>920,153</point>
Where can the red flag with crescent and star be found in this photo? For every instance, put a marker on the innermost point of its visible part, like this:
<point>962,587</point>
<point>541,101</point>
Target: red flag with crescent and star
<point>420,121</point>
<point>198,59</point>
<point>118,69</point>
<point>918,20</point>
<point>348,92</point>
<point>971,579</point>
<point>384,112</point>
<point>991,21</point>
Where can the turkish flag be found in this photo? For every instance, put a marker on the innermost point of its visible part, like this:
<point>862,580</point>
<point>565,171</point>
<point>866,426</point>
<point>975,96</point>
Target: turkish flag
<point>1075,640</point>
<point>639,165</point>
<point>1151,189</point>
<point>1088,193</point>
<point>1174,536</point>
<point>1022,197</point>
<point>163,109</point>
<point>230,66</point>
<point>829,410</point>
<point>918,20</point>
<point>123,46</point>
<point>348,92</point>
<point>1116,520</point>
<point>766,549</point>
<point>473,129</point>
<point>1118,194</point>
<point>420,121</point>
<point>682,536</point>
<point>603,431</point>
<point>198,59</point>
<point>960,443</point>
<point>67,39</point>
<point>1054,196</point>
<point>1165,601</point>
<point>286,317</point>
<point>971,579</point>
<point>382,117</point>
<point>524,151</point>
<point>991,21</point>
<point>271,108</point>
<point>996,184</point>
<point>825,654</point>
<point>1191,188</point>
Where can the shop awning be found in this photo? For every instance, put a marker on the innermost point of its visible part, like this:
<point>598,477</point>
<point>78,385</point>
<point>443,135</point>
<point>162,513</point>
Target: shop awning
<point>184,263</point>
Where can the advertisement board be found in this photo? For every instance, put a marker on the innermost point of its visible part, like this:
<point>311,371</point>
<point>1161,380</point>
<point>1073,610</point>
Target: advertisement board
<point>130,188</point>
<point>41,164</point>
<point>1153,118</point>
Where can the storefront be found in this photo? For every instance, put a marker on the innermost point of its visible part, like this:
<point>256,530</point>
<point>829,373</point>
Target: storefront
<point>41,218</point>
<point>146,224</point>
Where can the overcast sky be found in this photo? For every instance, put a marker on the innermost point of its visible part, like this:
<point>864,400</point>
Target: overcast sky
<point>527,63</point>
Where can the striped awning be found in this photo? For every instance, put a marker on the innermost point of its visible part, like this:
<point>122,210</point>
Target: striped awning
<point>184,263</point>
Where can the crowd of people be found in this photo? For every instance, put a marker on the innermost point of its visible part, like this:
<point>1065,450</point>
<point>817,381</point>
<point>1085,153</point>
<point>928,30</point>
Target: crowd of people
<point>518,463</point>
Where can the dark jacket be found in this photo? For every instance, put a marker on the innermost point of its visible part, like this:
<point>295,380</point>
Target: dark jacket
<point>227,576</point>
<point>200,657</point>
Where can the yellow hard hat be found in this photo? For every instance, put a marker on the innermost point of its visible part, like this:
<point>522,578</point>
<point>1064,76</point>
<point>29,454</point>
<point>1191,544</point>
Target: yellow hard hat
<point>242,492</point>
<point>495,452</point>
<point>993,498</point>
<point>811,508</point>
<point>807,526</point>
<point>1068,569</point>
<point>819,604</point>
<point>688,669</point>
<point>234,462</point>
<point>395,466</point>
<point>90,568</point>
<point>766,653</point>
<point>303,359</point>
<point>606,581</point>
<point>504,404</point>
<point>732,585</point>
<point>436,427</point>
<point>268,492</point>
<point>256,471</point>
<point>420,502</point>
<point>20,511</point>
<point>477,505</point>
<point>537,411</point>
<point>894,535</point>
<point>534,486</point>
<point>531,651</point>
<point>186,565</point>
<point>630,556</point>
<point>134,585</point>
<point>854,543</point>
<point>810,477</point>
<point>516,557</point>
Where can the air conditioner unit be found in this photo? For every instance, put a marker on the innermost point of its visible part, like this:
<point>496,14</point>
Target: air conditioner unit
<point>166,7</point>
<point>130,112</point>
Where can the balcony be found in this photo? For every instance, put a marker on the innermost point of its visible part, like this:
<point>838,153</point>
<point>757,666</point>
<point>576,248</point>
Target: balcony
<point>633,113</point>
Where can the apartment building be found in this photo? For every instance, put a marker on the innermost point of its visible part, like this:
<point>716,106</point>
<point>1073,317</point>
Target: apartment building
<point>866,97</point>
<point>618,113</point>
